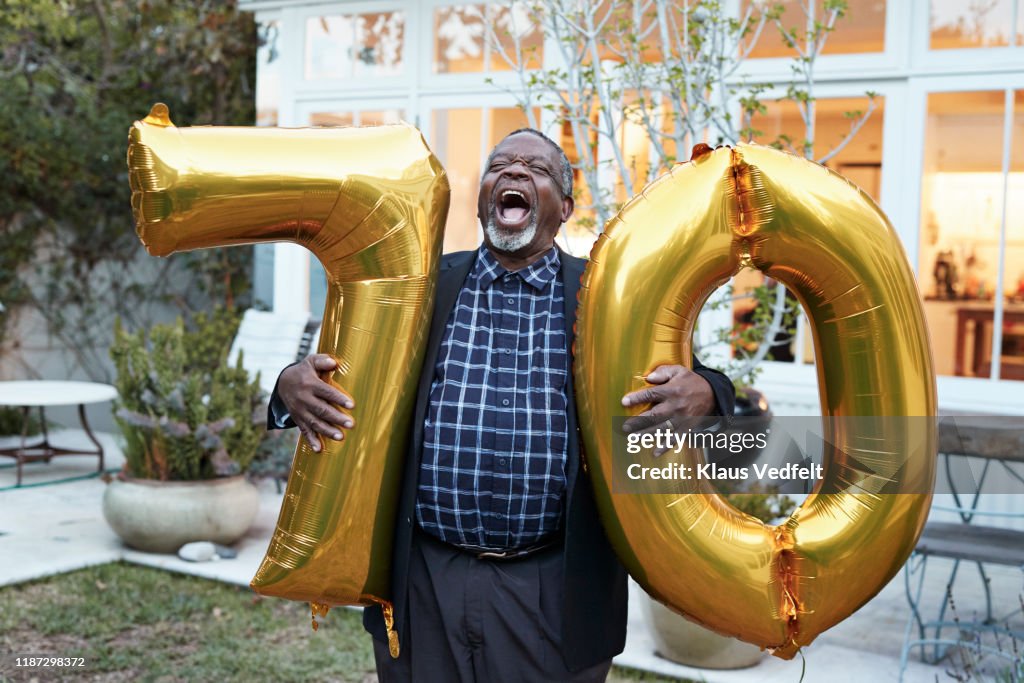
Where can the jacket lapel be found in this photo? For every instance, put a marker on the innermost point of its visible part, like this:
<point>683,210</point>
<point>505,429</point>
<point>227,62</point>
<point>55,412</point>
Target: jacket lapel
<point>453,272</point>
<point>572,271</point>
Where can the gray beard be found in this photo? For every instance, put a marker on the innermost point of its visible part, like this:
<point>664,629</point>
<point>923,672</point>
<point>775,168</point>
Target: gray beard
<point>510,242</point>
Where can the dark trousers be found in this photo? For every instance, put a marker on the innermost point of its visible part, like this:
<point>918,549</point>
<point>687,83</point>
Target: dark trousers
<point>474,620</point>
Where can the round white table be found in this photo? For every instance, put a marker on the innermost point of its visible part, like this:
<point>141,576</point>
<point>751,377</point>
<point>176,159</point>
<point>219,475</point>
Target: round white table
<point>44,394</point>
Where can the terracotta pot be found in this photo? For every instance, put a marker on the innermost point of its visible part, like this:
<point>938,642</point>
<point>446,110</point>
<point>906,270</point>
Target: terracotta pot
<point>680,640</point>
<point>161,516</point>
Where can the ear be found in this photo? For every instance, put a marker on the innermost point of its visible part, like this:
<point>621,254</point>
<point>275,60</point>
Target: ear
<point>567,208</point>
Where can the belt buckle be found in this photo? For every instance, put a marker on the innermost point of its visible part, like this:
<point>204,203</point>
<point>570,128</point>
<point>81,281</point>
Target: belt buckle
<point>497,555</point>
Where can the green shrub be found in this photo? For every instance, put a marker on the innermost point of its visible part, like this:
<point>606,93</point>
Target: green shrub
<point>12,422</point>
<point>184,412</point>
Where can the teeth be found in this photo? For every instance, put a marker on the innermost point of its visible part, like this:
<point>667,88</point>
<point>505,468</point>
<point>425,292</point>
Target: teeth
<point>517,193</point>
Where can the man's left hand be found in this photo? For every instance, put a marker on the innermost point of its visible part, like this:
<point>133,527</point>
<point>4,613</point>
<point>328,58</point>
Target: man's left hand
<point>678,392</point>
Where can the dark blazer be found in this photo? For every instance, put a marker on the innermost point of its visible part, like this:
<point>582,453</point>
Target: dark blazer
<point>594,593</point>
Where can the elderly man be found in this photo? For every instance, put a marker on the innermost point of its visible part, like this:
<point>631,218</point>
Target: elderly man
<point>501,570</point>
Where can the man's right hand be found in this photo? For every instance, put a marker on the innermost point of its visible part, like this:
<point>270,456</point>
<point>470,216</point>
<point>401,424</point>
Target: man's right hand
<point>312,401</point>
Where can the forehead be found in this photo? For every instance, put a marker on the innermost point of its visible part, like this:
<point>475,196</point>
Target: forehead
<point>527,145</point>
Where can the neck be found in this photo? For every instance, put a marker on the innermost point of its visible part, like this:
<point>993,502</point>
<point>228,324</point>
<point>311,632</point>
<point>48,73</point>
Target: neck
<point>520,259</point>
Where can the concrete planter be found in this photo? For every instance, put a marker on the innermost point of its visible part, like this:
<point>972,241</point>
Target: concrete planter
<point>161,516</point>
<point>680,640</point>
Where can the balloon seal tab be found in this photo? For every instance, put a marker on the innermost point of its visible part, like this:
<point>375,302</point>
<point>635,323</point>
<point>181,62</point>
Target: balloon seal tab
<point>389,624</point>
<point>159,115</point>
<point>319,609</point>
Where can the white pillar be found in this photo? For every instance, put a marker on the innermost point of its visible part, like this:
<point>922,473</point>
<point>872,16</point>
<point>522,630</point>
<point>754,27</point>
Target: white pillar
<point>291,278</point>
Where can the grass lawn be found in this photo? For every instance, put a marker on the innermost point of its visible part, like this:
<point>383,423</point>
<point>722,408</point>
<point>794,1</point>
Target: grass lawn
<point>133,623</point>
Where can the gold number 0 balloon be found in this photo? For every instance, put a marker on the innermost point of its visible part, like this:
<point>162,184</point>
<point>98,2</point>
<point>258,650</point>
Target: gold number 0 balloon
<point>370,203</point>
<point>649,274</point>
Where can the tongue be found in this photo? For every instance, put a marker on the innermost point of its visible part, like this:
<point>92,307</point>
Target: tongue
<point>513,214</point>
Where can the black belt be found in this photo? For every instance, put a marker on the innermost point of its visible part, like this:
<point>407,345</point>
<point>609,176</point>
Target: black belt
<point>481,553</point>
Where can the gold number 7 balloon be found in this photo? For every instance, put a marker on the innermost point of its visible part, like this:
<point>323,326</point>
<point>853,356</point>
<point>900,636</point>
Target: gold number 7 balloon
<point>685,234</point>
<point>370,204</point>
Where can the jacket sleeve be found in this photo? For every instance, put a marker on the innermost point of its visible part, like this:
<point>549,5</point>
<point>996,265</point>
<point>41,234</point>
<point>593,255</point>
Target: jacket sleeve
<point>725,392</point>
<point>277,412</point>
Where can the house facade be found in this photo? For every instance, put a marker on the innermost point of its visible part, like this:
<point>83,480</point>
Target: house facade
<point>942,152</point>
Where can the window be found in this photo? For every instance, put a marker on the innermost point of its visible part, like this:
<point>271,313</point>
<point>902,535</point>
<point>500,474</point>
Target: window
<point>861,29</point>
<point>959,24</point>
<point>355,45</point>
<point>478,38</point>
<point>971,255</point>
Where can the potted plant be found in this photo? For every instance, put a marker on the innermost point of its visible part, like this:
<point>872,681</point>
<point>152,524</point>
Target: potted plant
<point>191,425</point>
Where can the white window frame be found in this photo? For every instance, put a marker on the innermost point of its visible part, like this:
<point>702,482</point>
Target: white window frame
<point>982,60</point>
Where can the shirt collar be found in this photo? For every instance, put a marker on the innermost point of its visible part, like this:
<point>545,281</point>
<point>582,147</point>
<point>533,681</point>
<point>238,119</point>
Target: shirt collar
<point>538,274</point>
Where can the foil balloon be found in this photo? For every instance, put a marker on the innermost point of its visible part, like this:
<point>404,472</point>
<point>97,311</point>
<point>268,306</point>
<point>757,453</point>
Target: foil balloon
<point>370,204</point>
<point>649,274</point>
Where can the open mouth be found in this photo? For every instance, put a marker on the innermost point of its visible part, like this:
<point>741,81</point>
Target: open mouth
<point>513,206</point>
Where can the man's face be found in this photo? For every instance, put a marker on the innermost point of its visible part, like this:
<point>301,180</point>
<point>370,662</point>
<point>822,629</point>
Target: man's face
<point>520,203</point>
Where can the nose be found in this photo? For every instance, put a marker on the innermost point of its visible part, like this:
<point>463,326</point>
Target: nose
<point>516,169</point>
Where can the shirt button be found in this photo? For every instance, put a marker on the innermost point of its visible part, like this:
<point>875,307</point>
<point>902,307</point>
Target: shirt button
<point>500,516</point>
<point>502,461</point>
<point>504,401</point>
<point>510,301</point>
<point>507,351</point>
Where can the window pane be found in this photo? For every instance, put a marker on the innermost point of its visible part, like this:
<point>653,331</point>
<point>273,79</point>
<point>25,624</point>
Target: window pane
<point>455,138</point>
<point>379,37</point>
<point>510,24</point>
<point>861,29</point>
<point>329,43</point>
<point>458,39</point>
<point>381,117</point>
<point>356,118</point>
<point>268,73</point>
<point>1012,362</point>
<point>959,24</point>
<point>961,214</point>
<point>860,159</point>
<point>323,118</point>
<point>461,38</point>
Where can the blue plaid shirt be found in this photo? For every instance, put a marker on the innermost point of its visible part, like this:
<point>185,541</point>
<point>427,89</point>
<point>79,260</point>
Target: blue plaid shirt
<point>494,445</point>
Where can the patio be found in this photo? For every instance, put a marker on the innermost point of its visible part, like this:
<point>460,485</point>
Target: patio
<point>51,528</point>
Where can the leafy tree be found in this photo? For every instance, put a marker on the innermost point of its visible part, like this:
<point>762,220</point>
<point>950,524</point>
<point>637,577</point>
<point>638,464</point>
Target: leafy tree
<point>74,75</point>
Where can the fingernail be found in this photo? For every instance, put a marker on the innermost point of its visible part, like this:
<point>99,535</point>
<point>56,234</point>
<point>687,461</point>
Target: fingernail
<point>336,436</point>
<point>625,400</point>
<point>349,404</point>
<point>347,424</point>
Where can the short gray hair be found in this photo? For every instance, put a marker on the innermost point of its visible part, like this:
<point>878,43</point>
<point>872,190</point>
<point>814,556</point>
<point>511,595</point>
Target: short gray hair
<point>566,166</point>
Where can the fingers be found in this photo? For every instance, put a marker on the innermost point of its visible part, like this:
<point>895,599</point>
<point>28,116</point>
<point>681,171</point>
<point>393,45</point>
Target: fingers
<point>661,375</point>
<point>647,420</point>
<point>664,373</point>
<point>648,395</point>
<point>332,394</point>
<point>311,437</point>
<point>325,412</point>
<point>322,362</point>
<point>313,402</point>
